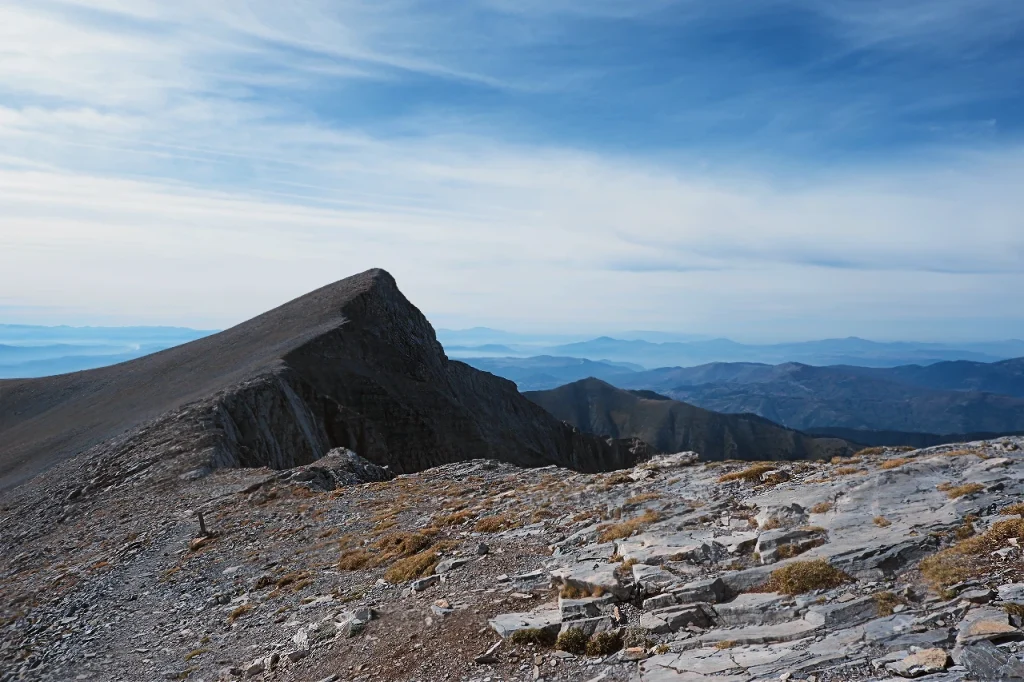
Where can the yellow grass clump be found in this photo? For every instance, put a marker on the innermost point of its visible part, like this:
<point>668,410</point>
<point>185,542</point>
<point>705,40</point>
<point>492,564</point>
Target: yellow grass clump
<point>895,462</point>
<point>617,531</point>
<point>751,474</point>
<point>971,557</point>
<point>805,576</point>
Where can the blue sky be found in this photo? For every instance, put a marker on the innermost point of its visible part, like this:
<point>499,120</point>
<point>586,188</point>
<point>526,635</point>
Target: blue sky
<point>764,170</point>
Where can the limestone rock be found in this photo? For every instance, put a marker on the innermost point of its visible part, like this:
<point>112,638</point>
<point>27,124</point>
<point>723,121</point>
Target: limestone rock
<point>923,662</point>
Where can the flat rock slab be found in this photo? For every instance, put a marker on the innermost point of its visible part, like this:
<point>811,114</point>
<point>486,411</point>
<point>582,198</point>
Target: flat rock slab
<point>697,662</point>
<point>986,623</point>
<point>757,608</point>
<point>986,661</point>
<point>657,548</point>
<point>508,623</point>
<point>651,580</point>
<point>763,634</point>
<point>676,618</point>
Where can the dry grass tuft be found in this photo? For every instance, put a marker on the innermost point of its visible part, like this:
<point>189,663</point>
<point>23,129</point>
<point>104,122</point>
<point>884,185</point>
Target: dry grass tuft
<point>886,603</point>
<point>893,463</point>
<point>1013,510</point>
<point>239,612</point>
<point>535,636</point>
<point>772,524</point>
<point>805,576</point>
<point>846,471</point>
<point>494,524</point>
<point>751,474</point>
<point>354,559</point>
<point>569,591</point>
<point>955,491</point>
<point>542,514</point>
<point>882,522</point>
<point>643,497</point>
<point>399,545</point>
<point>617,531</point>
<point>790,550</point>
<point>573,641</point>
<point>869,452</point>
<point>455,519</point>
<point>971,557</point>
<point>725,644</point>
<point>822,508</point>
<point>604,643</point>
<point>416,566</point>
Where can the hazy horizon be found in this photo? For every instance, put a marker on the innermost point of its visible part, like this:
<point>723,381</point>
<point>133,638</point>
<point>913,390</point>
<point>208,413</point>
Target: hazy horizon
<point>790,169</point>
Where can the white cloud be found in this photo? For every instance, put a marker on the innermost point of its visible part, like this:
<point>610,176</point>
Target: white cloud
<point>143,180</point>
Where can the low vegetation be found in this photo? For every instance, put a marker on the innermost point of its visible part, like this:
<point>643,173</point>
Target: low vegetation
<point>1013,510</point>
<point>495,524</point>
<point>805,576</point>
<point>573,641</point>
<point>822,508</point>
<point>882,522</point>
<point>617,531</point>
<point>955,491</point>
<point>886,603</point>
<point>751,474</point>
<point>895,462</point>
<point>971,557</point>
<point>416,566</point>
<point>604,643</point>
<point>534,636</point>
<point>643,497</point>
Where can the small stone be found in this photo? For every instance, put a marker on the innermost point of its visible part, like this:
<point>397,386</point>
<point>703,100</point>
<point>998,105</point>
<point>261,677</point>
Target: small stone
<point>423,583</point>
<point>924,662</point>
<point>634,653</point>
<point>297,655</point>
<point>254,669</point>
<point>482,549</point>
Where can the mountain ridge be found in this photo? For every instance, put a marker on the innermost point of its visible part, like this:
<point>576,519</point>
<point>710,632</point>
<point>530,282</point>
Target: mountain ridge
<point>669,425</point>
<point>353,364</point>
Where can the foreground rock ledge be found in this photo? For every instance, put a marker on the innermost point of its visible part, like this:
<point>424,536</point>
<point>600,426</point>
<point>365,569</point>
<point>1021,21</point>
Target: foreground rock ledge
<point>471,571</point>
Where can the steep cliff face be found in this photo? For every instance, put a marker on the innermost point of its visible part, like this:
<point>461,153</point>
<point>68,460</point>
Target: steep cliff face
<point>352,365</point>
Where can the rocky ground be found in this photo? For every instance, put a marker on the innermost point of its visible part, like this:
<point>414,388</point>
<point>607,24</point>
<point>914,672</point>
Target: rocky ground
<point>882,566</point>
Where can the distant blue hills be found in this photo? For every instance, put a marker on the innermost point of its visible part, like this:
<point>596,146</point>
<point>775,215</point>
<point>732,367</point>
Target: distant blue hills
<point>700,351</point>
<point>35,351</point>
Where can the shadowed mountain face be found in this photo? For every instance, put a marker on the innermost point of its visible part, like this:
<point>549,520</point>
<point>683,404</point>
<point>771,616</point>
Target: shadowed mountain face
<point>353,364</point>
<point>671,426</point>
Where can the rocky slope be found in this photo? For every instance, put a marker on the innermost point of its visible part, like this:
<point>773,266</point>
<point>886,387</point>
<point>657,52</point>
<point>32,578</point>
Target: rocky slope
<point>672,426</point>
<point>353,365</point>
<point>878,567</point>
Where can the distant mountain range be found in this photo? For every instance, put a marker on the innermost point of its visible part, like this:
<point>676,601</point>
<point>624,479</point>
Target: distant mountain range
<point>944,398</point>
<point>698,351</point>
<point>34,351</point>
<point>599,408</point>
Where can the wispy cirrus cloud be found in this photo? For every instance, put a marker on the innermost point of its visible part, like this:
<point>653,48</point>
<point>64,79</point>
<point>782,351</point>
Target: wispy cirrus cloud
<point>654,164</point>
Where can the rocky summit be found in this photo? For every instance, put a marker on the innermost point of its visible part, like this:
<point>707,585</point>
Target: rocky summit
<point>352,365</point>
<point>883,566</point>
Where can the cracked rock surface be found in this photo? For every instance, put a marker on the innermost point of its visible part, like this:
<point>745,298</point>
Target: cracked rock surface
<point>884,566</point>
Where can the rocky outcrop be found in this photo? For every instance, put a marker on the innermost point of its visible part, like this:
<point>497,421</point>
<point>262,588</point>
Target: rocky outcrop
<point>353,365</point>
